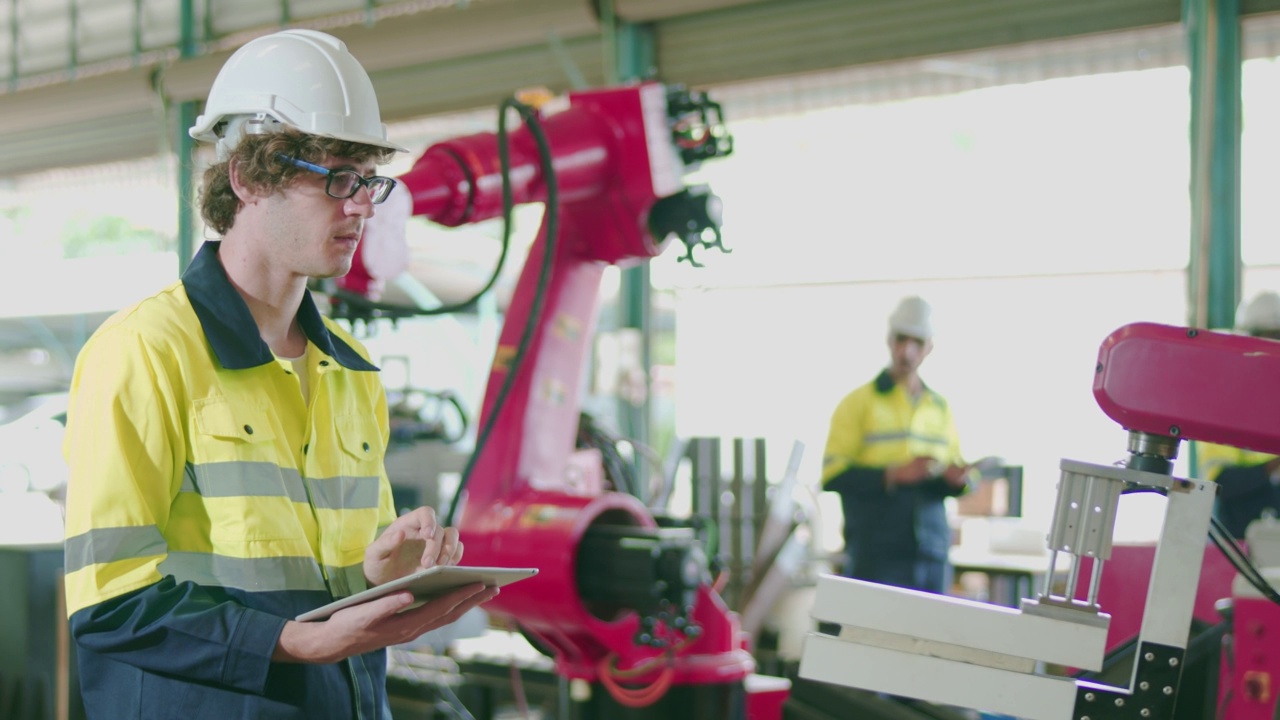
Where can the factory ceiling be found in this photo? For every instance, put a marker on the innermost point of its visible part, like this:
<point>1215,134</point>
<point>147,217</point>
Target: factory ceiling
<point>91,81</point>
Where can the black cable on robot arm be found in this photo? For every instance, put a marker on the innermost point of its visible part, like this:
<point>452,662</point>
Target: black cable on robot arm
<point>1235,554</point>
<point>1222,538</point>
<point>551,225</point>
<point>617,469</point>
<point>397,310</point>
<point>400,311</point>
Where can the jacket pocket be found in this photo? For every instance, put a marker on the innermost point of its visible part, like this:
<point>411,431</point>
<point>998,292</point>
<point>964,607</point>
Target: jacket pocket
<point>248,496</point>
<point>361,444</point>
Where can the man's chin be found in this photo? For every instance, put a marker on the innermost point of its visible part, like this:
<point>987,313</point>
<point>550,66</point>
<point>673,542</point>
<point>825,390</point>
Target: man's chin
<point>336,271</point>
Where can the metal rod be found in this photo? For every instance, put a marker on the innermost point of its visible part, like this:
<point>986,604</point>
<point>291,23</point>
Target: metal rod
<point>1073,579</point>
<point>1095,580</point>
<point>1048,576</point>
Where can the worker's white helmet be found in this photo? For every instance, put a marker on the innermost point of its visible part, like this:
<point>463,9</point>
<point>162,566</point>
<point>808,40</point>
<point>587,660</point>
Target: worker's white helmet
<point>1260,315</point>
<point>913,317</point>
<point>302,79</point>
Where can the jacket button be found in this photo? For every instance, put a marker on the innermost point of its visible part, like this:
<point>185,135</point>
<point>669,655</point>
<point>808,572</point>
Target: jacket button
<point>366,447</point>
<point>324,363</point>
<point>305,448</point>
<point>248,429</point>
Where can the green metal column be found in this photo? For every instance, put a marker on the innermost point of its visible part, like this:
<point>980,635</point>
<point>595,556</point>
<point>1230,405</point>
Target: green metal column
<point>629,55</point>
<point>1213,35</point>
<point>1213,52</point>
<point>184,146</point>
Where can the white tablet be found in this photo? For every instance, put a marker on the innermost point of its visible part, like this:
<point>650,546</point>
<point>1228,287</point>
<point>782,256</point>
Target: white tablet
<point>426,585</point>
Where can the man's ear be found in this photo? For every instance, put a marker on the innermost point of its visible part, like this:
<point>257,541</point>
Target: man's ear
<point>246,194</point>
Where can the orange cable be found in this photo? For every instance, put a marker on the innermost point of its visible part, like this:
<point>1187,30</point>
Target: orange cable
<point>634,697</point>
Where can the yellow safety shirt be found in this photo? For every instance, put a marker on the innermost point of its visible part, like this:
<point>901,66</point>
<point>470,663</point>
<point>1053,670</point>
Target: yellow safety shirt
<point>879,424</point>
<point>874,426</point>
<point>208,504</point>
<point>1212,459</point>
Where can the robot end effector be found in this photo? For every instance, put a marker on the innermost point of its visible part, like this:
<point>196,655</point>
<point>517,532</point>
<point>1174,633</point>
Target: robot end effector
<point>1163,384</point>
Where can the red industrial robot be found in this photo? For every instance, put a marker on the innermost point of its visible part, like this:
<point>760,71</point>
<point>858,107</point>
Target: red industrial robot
<point>619,600</point>
<point>1167,383</point>
<point>1162,384</point>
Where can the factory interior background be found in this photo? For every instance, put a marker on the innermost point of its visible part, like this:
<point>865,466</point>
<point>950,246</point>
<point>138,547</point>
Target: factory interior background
<point>1035,193</point>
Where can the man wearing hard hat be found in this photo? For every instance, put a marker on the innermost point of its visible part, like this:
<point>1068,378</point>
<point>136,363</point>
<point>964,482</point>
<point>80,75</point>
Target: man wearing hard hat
<point>1248,481</point>
<point>225,440</point>
<point>893,455</point>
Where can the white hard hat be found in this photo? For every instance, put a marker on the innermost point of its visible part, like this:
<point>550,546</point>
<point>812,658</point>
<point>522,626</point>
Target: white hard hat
<point>913,317</point>
<point>303,79</point>
<point>1261,314</point>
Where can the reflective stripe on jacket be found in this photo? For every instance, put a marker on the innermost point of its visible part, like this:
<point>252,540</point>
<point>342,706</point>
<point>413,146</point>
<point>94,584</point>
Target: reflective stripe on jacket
<point>207,504</point>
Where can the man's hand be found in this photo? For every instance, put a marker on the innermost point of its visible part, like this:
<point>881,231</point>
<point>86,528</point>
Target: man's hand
<point>957,475</point>
<point>374,625</point>
<point>921,467</point>
<point>412,542</point>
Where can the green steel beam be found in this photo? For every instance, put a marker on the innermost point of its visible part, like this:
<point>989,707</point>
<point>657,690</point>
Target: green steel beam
<point>137,32</point>
<point>184,146</point>
<point>1213,37</point>
<point>73,38</point>
<point>629,55</point>
<point>13,45</point>
<point>1213,34</point>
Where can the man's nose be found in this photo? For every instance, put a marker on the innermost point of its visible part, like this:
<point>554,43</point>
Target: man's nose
<point>361,203</point>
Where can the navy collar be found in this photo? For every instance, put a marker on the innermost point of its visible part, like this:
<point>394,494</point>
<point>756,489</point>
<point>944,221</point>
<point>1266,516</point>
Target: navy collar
<point>885,383</point>
<point>231,330</point>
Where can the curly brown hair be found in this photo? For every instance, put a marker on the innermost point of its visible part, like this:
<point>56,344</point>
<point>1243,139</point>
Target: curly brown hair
<point>261,170</point>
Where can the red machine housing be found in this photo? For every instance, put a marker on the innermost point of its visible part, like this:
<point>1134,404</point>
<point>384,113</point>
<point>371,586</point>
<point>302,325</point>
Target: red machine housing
<point>1213,387</point>
<point>1191,384</point>
<point>524,503</point>
<point>1249,688</point>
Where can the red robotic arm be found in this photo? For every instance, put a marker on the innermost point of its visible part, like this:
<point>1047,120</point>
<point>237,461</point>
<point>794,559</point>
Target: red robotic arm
<point>615,591</point>
<point>1177,383</point>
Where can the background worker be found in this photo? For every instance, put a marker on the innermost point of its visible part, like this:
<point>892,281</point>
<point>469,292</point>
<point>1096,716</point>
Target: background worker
<point>226,441</point>
<point>1248,481</point>
<point>893,455</point>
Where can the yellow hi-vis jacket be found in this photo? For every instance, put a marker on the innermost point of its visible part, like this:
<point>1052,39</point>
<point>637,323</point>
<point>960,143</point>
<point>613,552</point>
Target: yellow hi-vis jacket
<point>208,504</point>
<point>873,427</point>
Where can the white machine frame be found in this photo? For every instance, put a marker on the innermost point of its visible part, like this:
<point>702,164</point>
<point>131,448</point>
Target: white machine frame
<point>987,657</point>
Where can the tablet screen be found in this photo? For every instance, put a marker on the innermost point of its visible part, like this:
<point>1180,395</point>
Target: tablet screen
<point>426,584</point>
